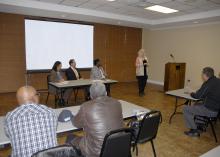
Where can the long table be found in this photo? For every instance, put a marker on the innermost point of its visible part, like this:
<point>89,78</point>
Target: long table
<point>179,94</point>
<point>128,111</point>
<point>81,83</point>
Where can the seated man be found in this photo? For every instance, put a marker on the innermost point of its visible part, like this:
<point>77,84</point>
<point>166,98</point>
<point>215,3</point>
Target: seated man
<point>209,93</point>
<point>31,127</point>
<point>72,73</point>
<point>97,72</point>
<point>97,117</point>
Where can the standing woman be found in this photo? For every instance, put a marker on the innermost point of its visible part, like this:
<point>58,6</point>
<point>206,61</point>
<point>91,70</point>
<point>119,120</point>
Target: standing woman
<point>141,71</point>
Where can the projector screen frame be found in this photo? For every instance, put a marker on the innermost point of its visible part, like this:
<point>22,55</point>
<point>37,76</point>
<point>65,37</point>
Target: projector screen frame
<point>48,70</point>
<point>61,21</point>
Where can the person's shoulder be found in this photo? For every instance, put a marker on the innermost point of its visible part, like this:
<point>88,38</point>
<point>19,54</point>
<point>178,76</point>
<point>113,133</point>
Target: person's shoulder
<point>45,109</point>
<point>13,113</point>
<point>95,68</point>
<point>110,99</point>
<point>68,69</point>
<point>86,104</point>
<point>52,72</point>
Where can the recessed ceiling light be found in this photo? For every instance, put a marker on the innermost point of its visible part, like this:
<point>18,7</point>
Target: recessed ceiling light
<point>161,9</point>
<point>111,0</point>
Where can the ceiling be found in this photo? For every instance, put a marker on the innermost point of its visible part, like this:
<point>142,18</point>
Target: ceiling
<point>121,12</point>
<point>135,8</point>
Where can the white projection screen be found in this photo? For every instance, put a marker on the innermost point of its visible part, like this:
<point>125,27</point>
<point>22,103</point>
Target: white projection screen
<point>47,42</point>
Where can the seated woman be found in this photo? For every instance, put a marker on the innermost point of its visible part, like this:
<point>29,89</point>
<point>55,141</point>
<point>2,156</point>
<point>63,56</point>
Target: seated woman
<point>57,76</point>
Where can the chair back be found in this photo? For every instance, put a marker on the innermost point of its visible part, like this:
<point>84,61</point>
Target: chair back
<point>148,127</point>
<point>59,151</point>
<point>117,143</point>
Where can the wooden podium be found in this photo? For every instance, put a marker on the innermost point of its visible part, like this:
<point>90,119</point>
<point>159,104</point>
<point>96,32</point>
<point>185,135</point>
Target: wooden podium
<point>174,76</point>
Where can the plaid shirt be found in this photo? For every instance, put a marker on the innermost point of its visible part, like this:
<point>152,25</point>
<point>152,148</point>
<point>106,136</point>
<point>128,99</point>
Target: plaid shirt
<point>31,128</point>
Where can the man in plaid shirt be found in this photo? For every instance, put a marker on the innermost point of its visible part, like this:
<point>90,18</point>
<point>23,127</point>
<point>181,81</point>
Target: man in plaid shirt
<point>31,127</point>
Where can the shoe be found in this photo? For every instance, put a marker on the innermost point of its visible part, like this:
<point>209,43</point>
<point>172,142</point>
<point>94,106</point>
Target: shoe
<point>141,94</point>
<point>192,133</point>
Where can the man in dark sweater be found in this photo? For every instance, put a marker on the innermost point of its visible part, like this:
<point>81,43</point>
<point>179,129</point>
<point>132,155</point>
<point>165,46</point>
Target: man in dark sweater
<point>209,93</point>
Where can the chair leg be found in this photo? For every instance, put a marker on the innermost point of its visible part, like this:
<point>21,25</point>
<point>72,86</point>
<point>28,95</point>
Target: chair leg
<point>213,131</point>
<point>47,97</point>
<point>152,144</point>
<point>75,94</point>
<point>136,147</point>
<point>56,101</point>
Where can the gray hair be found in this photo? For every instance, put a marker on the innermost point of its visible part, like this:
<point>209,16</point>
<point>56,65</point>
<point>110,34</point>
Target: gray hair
<point>97,89</point>
<point>208,71</point>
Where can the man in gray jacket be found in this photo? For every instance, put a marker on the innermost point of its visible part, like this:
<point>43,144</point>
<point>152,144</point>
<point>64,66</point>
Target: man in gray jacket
<point>97,117</point>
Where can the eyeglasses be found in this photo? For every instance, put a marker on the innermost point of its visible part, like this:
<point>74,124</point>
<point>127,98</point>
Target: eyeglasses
<point>37,94</point>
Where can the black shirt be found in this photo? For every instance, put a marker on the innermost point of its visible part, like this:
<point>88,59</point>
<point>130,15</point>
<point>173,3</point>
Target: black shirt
<point>210,94</point>
<point>145,67</point>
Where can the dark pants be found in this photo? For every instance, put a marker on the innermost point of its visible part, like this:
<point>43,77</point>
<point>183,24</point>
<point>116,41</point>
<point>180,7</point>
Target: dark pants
<point>142,81</point>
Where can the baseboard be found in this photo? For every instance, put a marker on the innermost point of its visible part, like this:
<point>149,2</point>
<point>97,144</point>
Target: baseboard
<point>156,82</point>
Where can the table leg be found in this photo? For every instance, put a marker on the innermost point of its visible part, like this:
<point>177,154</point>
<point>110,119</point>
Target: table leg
<point>188,102</point>
<point>108,89</point>
<point>176,103</point>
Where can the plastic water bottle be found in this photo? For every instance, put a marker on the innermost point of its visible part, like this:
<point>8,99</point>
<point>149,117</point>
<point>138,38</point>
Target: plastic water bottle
<point>187,87</point>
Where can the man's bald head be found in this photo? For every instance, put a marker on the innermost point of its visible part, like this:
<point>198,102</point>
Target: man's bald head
<point>27,94</point>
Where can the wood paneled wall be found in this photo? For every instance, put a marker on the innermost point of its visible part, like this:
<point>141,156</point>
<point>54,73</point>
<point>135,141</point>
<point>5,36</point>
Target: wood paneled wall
<point>12,48</point>
<point>116,46</point>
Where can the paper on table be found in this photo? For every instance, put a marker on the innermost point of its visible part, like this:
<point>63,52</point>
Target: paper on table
<point>62,83</point>
<point>102,81</point>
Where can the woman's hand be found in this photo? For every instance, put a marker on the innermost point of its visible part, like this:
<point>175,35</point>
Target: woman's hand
<point>62,80</point>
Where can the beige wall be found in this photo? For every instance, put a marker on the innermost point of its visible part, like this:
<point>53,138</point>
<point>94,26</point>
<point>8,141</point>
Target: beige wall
<point>198,46</point>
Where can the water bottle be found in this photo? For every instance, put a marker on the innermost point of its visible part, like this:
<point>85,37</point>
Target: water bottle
<point>187,87</point>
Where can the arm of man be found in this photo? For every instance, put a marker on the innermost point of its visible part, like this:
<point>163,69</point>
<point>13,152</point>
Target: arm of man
<point>201,93</point>
<point>78,120</point>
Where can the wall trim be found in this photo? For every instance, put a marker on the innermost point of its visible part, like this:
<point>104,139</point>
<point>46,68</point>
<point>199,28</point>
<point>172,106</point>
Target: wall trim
<point>156,82</point>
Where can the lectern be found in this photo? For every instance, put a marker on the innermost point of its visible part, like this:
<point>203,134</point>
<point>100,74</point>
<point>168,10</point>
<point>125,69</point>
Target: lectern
<point>174,76</point>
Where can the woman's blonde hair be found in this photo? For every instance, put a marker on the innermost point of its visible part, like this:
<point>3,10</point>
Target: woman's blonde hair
<point>141,53</point>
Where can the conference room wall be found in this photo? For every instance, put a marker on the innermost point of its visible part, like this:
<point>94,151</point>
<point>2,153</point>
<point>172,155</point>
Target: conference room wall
<point>116,46</point>
<point>197,46</point>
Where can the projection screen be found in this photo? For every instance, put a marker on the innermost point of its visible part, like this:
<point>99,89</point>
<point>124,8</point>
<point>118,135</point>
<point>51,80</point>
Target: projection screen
<point>47,42</point>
